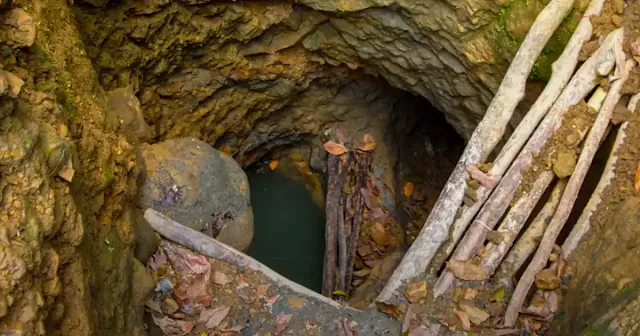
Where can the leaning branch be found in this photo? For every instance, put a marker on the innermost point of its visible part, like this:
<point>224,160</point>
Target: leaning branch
<point>584,222</point>
<point>483,140</point>
<point>600,64</point>
<point>570,194</point>
<point>336,172</point>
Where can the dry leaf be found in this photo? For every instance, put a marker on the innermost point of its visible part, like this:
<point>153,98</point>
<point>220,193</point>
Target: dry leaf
<point>636,180</point>
<point>407,190</point>
<point>369,144</point>
<point>378,213</point>
<point>335,148</point>
<point>272,300</point>
<point>171,327</point>
<point>416,291</point>
<point>213,317</point>
<point>432,330</point>
<point>547,279</point>
<point>296,302</point>
<point>282,322</point>
<point>466,270</point>
<point>476,315</point>
<point>273,164</point>
<point>232,329</point>
<point>261,292</point>
<point>379,235</point>
<point>464,319</point>
<point>220,278</point>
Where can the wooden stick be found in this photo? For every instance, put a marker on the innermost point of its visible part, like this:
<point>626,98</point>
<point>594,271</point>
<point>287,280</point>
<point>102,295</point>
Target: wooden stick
<point>336,172</point>
<point>483,140</point>
<point>569,196</point>
<point>342,241</point>
<point>514,221</point>
<point>212,248</point>
<point>363,160</point>
<point>527,244</point>
<point>562,69</point>
<point>599,64</point>
<point>584,222</point>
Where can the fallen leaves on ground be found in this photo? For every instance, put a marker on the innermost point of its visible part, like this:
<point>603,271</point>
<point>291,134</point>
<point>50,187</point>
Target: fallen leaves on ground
<point>547,279</point>
<point>369,144</point>
<point>296,302</point>
<point>464,319</point>
<point>407,190</point>
<point>273,164</point>
<point>335,148</point>
<point>476,315</point>
<point>171,327</point>
<point>416,291</point>
<point>213,317</point>
<point>498,295</point>
<point>379,235</point>
<point>282,322</point>
<point>220,278</point>
<point>466,270</point>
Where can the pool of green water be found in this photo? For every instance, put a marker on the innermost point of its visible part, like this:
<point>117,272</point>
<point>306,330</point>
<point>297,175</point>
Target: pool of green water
<point>289,228</point>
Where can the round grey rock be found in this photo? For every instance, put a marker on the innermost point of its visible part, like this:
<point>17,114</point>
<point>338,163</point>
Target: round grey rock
<point>202,188</point>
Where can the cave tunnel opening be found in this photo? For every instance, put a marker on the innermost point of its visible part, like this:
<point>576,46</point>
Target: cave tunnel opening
<point>416,150</point>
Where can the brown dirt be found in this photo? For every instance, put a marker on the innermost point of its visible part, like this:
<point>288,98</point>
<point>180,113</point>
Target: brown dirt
<point>566,140</point>
<point>603,24</point>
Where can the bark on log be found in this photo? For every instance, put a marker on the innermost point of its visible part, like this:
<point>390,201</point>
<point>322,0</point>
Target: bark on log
<point>562,69</point>
<point>527,244</point>
<point>210,247</point>
<point>584,222</point>
<point>336,173</point>
<point>483,140</point>
<point>599,64</point>
<point>363,160</point>
<point>591,145</point>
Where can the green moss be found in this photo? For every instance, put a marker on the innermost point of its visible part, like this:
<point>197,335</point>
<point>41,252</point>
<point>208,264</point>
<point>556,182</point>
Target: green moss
<point>108,172</point>
<point>507,44</point>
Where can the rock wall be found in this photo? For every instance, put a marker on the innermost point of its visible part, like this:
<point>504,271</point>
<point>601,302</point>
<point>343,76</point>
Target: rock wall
<point>67,179</point>
<point>217,62</point>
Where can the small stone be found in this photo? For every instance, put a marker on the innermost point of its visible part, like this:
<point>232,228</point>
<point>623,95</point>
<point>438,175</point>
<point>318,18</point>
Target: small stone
<point>565,163</point>
<point>20,28</point>
<point>379,235</point>
<point>547,279</point>
<point>416,291</point>
<point>476,315</point>
<point>362,273</point>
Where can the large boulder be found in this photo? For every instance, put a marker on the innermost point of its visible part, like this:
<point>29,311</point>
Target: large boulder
<point>199,187</point>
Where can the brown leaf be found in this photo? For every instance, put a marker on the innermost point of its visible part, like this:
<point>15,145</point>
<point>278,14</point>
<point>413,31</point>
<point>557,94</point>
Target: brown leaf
<point>262,290</point>
<point>407,190</point>
<point>636,180</point>
<point>335,148</point>
<point>366,197</point>
<point>416,291</point>
<point>369,144</point>
<point>282,322</point>
<point>466,270</point>
<point>273,164</point>
<point>464,319</point>
<point>220,278</point>
<point>232,329</point>
<point>476,315</point>
<point>158,260</point>
<point>296,302</point>
<point>171,327</point>
<point>271,300</point>
<point>379,235</point>
<point>213,317</point>
<point>378,213</point>
<point>547,279</point>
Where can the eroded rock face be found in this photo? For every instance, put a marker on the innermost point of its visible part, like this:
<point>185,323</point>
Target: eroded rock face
<point>199,187</point>
<point>191,62</point>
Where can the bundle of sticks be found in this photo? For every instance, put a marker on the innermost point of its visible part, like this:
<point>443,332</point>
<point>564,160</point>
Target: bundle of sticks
<point>347,181</point>
<point>457,227</point>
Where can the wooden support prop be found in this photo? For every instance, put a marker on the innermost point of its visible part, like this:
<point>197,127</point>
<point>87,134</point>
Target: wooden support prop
<point>212,248</point>
<point>599,64</point>
<point>527,244</point>
<point>483,140</point>
<point>584,222</point>
<point>363,160</point>
<point>562,69</point>
<point>591,145</point>
<point>337,173</point>
<point>514,221</point>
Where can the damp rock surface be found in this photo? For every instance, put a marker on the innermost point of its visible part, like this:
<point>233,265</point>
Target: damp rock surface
<point>200,187</point>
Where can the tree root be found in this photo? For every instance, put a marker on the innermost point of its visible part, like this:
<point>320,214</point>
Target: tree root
<point>591,145</point>
<point>483,140</point>
<point>210,247</point>
<point>584,222</point>
<point>599,64</point>
<point>563,69</point>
